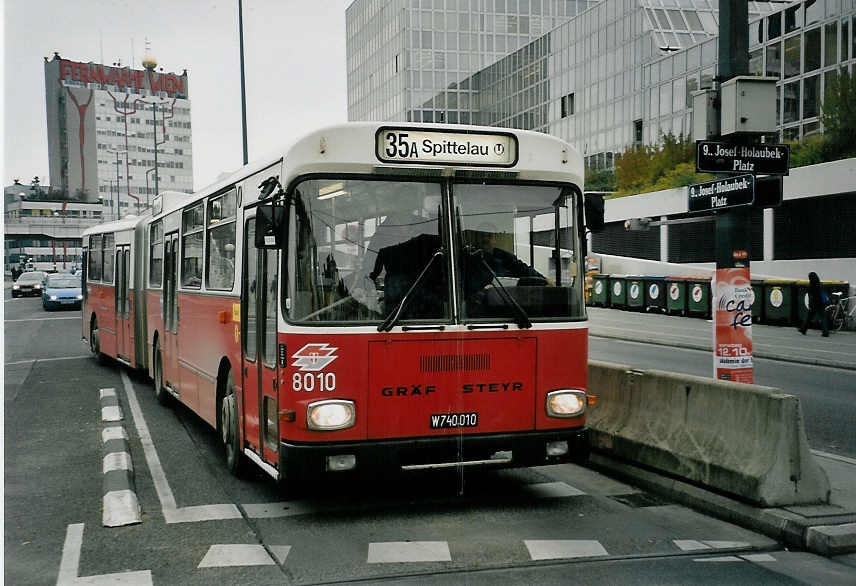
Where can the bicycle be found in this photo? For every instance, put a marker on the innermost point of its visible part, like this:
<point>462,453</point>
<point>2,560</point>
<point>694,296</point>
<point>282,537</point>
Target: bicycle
<point>838,313</point>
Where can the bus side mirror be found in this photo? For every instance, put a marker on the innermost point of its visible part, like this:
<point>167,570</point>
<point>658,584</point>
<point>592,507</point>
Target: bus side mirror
<point>269,226</point>
<point>593,204</point>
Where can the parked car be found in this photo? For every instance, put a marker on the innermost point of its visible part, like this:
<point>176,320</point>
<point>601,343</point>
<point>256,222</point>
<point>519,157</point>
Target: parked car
<point>29,284</point>
<point>61,290</point>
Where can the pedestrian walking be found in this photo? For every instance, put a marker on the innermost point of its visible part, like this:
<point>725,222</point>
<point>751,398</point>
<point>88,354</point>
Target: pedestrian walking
<point>817,302</point>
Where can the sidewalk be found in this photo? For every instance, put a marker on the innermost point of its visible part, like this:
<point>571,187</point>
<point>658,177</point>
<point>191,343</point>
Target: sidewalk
<point>772,342</point>
<point>823,529</point>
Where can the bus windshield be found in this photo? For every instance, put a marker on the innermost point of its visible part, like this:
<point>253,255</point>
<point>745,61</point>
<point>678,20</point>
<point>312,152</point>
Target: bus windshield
<point>362,251</point>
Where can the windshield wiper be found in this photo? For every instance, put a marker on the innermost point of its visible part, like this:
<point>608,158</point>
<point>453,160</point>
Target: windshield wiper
<point>522,319</point>
<point>395,314</point>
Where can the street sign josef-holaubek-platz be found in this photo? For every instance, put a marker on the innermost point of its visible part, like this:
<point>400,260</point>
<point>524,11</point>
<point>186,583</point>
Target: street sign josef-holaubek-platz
<point>758,159</point>
<point>721,193</point>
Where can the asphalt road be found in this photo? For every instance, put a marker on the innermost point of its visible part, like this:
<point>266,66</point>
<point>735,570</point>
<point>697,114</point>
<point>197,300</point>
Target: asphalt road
<point>545,525</point>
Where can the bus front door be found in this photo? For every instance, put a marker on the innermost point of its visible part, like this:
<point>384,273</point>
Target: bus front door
<point>259,300</point>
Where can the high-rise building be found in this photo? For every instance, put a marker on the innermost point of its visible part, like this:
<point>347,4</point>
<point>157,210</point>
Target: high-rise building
<point>411,60</point>
<point>117,134</point>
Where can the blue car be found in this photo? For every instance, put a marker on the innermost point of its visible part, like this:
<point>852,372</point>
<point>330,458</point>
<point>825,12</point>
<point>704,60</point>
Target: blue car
<point>61,291</point>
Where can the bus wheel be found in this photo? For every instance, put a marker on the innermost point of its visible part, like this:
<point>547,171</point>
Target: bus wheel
<point>95,343</point>
<point>229,430</point>
<point>160,390</point>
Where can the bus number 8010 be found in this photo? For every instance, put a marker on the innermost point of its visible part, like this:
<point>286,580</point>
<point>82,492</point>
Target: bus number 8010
<point>309,382</point>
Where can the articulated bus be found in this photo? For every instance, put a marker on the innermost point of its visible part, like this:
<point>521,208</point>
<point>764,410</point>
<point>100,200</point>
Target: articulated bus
<point>375,297</point>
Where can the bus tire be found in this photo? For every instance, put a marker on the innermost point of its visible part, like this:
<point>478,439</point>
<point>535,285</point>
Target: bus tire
<point>229,430</point>
<point>157,379</point>
<point>95,343</point>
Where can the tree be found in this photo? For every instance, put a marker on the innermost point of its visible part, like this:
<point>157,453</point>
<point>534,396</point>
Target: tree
<point>599,179</point>
<point>838,114</point>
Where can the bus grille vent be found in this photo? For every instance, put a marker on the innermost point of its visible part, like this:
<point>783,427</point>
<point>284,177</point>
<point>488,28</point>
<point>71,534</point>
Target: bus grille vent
<point>453,362</point>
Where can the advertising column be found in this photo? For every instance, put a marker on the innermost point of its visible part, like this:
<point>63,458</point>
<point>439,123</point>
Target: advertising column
<point>732,319</point>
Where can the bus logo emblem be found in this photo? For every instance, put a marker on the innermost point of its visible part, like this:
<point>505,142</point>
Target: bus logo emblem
<point>314,357</point>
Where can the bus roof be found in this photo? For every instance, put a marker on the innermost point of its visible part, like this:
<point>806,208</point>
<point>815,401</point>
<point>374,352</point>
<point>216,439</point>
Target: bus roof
<point>126,223</point>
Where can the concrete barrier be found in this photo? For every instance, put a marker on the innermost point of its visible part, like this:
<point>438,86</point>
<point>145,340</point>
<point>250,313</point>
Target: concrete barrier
<point>745,440</point>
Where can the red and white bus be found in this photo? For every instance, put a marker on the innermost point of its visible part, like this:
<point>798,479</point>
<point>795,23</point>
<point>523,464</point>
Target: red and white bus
<point>377,296</point>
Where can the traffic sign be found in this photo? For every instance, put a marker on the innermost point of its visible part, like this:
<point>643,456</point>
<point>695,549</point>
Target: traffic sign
<point>758,159</point>
<point>721,193</point>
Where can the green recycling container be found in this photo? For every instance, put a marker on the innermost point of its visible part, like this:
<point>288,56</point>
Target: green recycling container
<point>676,296</point>
<point>617,291</point>
<point>779,302</point>
<point>635,293</point>
<point>600,290</point>
<point>757,301</point>
<point>801,298</point>
<point>698,296</point>
<point>655,294</point>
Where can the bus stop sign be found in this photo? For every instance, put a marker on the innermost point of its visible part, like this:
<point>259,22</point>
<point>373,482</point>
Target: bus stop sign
<point>721,193</point>
<point>758,159</point>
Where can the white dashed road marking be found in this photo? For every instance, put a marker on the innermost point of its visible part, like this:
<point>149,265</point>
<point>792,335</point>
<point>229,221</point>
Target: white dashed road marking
<point>243,554</point>
<point>552,490</point>
<point>408,552</point>
<point>693,545</point>
<point>547,549</point>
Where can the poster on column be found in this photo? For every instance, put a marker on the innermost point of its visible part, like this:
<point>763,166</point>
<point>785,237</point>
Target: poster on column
<point>732,325</point>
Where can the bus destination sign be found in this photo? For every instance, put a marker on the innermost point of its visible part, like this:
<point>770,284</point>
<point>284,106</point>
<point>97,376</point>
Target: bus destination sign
<point>721,193</point>
<point>758,159</point>
<point>414,145</point>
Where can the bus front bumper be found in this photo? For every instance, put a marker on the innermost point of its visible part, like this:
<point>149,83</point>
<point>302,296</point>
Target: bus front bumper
<point>513,450</point>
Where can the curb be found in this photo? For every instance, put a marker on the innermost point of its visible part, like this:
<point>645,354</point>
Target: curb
<point>793,530</point>
<point>705,348</point>
<point>119,499</point>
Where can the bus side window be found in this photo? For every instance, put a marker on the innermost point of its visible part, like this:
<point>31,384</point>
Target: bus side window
<point>220,252</point>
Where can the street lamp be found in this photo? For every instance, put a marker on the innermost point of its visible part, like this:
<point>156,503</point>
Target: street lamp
<point>117,178</point>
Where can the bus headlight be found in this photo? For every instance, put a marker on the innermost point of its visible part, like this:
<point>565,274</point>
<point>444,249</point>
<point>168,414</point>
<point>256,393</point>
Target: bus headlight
<point>331,414</point>
<point>566,403</point>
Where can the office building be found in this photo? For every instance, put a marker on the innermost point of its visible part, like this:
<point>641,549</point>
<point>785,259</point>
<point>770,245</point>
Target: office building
<point>110,127</point>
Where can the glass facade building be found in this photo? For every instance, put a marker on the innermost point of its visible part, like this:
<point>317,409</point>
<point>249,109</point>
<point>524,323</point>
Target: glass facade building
<point>608,75</point>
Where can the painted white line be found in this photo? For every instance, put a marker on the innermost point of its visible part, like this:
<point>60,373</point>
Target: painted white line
<point>548,549</point>
<point>829,456</point>
<point>241,554</point>
<point>113,433</point>
<point>727,544</point>
<point>9,321</point>
<point>201,513</point>
<point>171,513</point>
<point>546,490</point>
<point>689,544</point>
<point>70,563</point>
<point>111,413</point>
<point>120,508</point>
<point>117,461</point>
<point>758,557</point>
<point>70,560</point>
<point>408,552</point>
<point>47,359</point>
<point>725,558</point>
<point>110,392</point>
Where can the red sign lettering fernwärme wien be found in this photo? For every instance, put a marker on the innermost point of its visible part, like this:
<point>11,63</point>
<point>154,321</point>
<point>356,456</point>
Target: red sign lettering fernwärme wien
<point>121,77</point>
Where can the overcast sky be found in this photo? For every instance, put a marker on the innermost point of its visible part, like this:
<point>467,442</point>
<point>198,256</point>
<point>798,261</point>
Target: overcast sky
<point>294,54</point>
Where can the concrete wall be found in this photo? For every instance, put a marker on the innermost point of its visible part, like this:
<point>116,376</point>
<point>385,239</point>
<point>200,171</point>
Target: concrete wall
<point>744,440</point>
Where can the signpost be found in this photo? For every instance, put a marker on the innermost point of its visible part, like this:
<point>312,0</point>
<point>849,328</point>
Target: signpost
<point>721,193</point>
<point>758,159</point>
